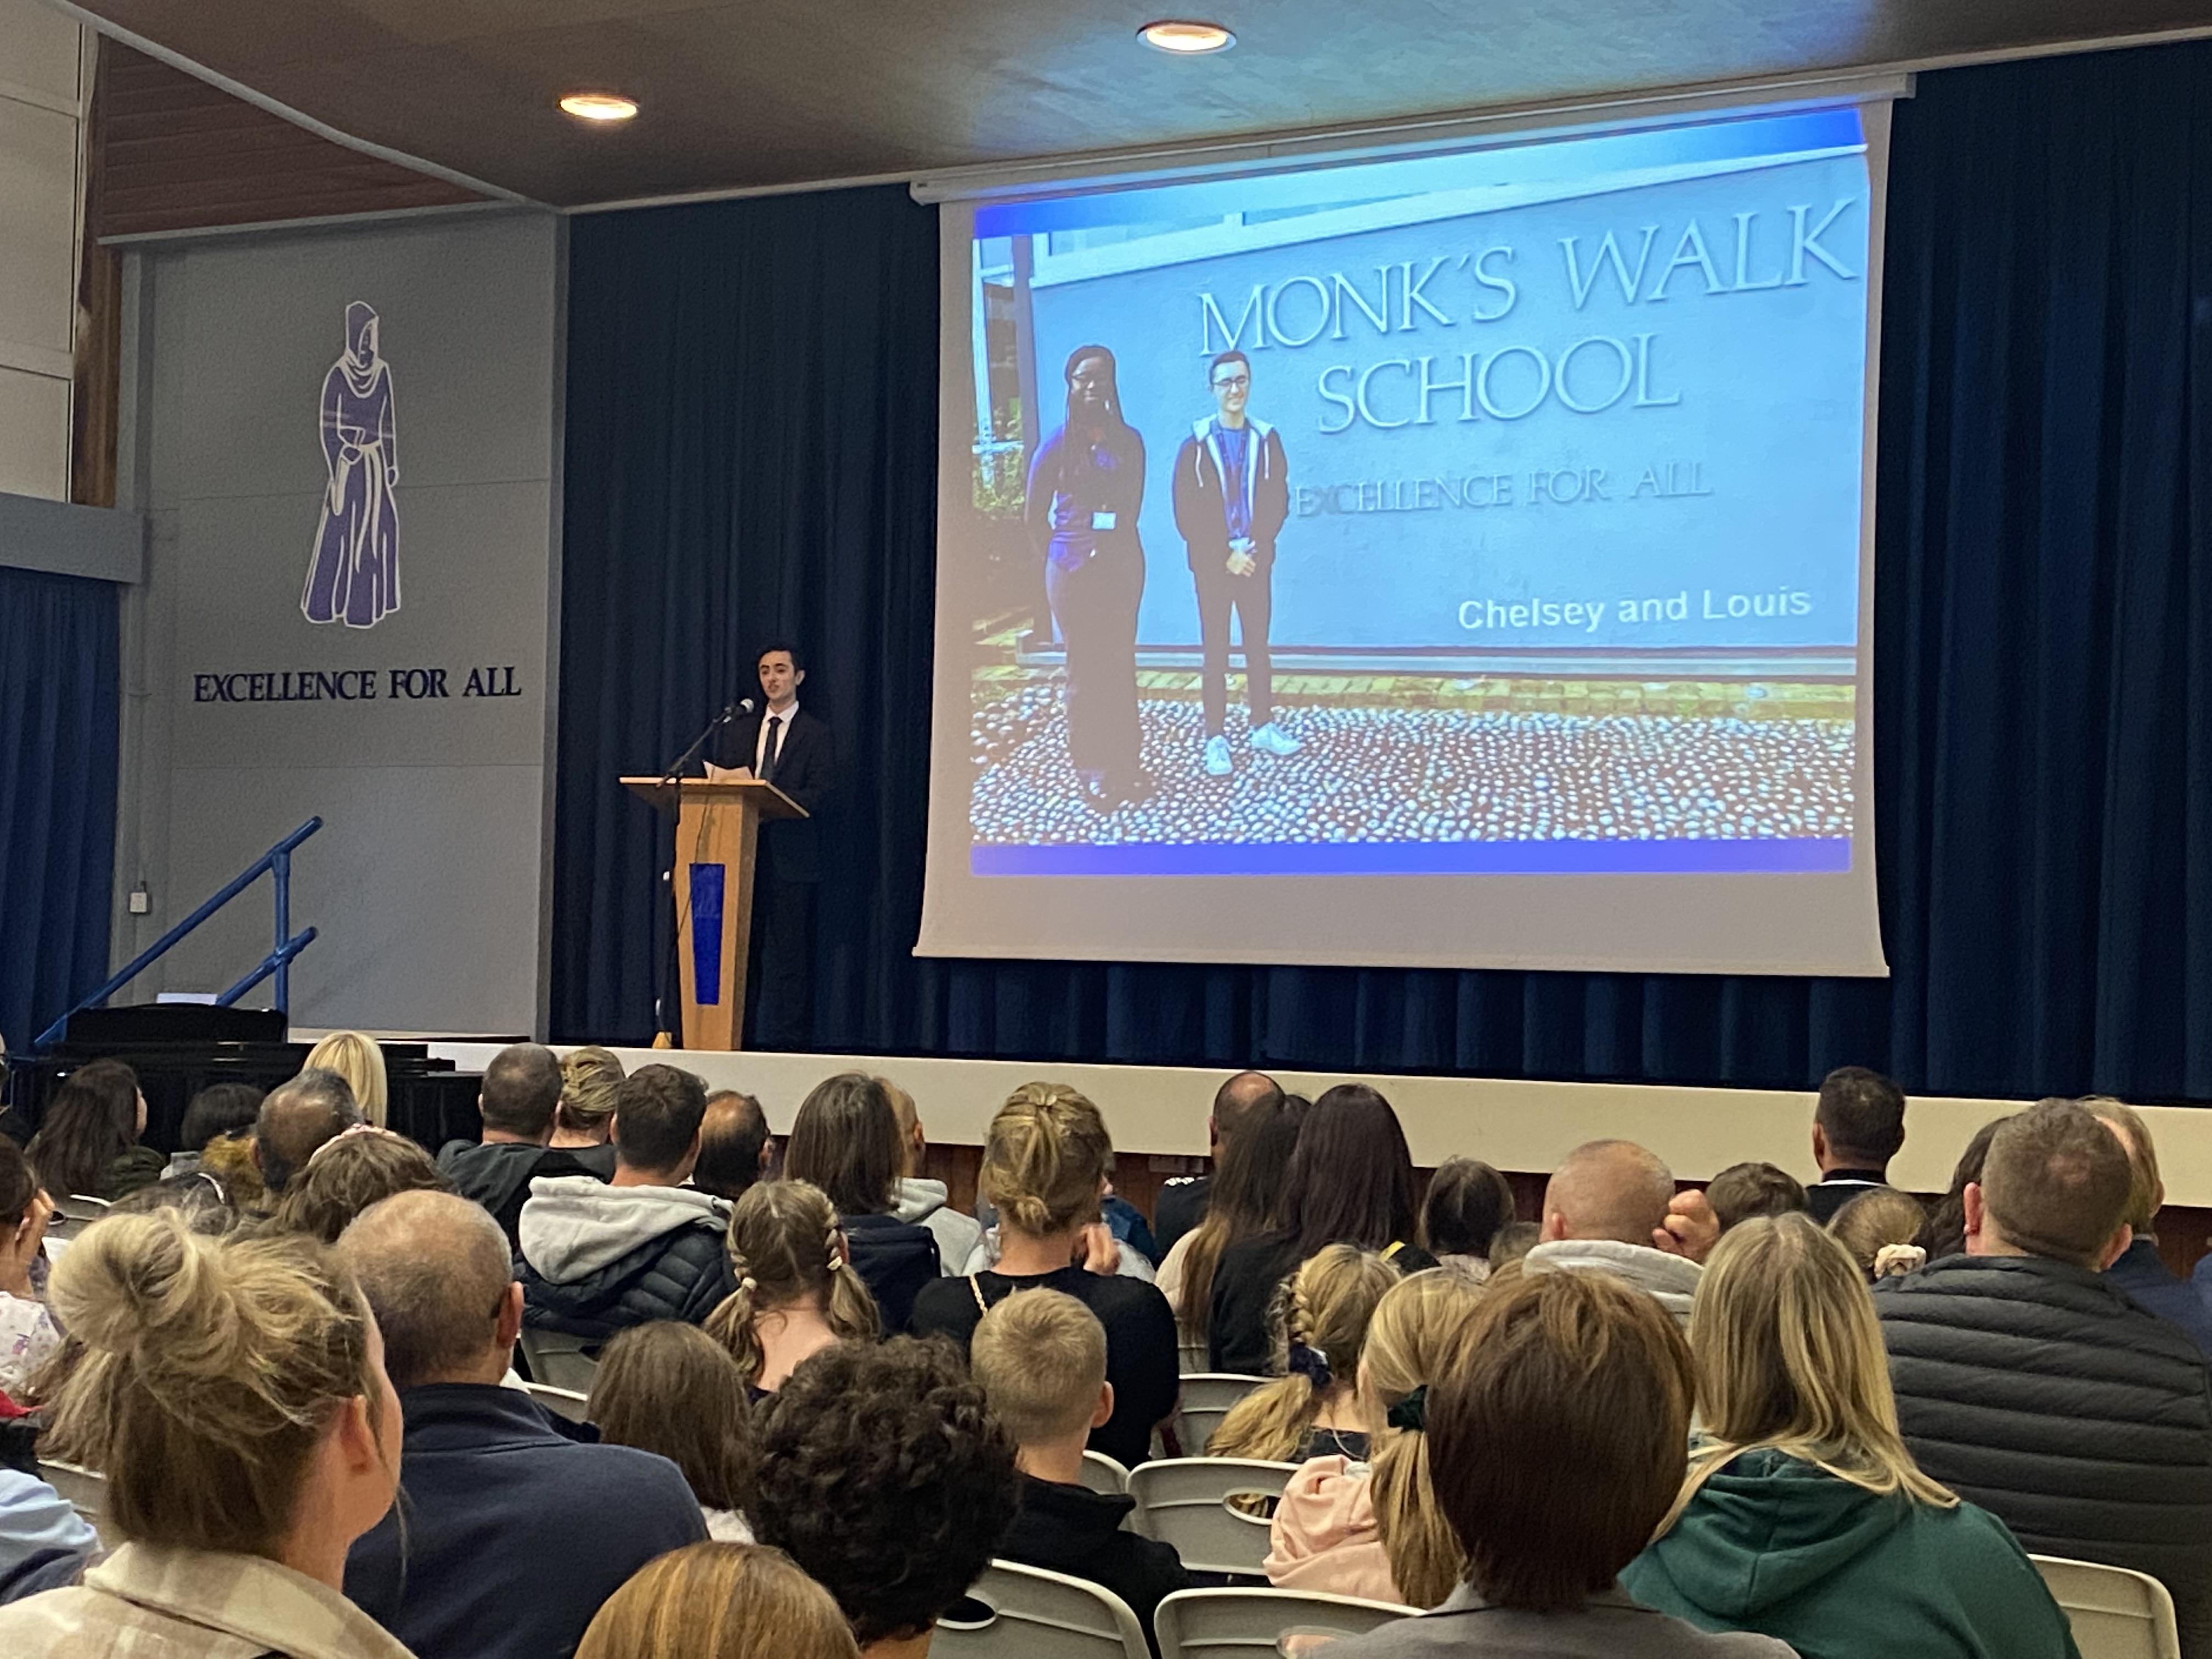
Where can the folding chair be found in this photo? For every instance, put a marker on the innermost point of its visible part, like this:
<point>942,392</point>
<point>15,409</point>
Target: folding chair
<point>1207,1398</point>
<point>1025,1612</point>
<point>1204,1624</point>
<point>1101,1474</point>
<point>2116,1613</point>
<point>559,1359</point>
<point>561,1402</point>
<point>1186,1502</point>
<point>86,1493</point>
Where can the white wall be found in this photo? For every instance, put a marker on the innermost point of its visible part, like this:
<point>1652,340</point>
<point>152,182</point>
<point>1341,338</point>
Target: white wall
<point>42,120</point>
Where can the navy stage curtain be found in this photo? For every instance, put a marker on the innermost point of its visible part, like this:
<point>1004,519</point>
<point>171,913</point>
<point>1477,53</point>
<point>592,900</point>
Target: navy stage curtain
<point>59,710</point>
<point>751,448</point>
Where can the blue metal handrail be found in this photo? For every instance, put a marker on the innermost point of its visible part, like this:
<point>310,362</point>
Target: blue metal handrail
<point>278,860</point>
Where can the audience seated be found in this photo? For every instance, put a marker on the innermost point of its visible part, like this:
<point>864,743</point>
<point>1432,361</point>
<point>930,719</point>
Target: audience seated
<point>359,1058</point>
<point>1883,1230</point>
<point>220,1110</point>
<point>924,1203</point>
<point>1557,1435</point>
<point>1040,1361</point>
<point>735,1148</point>
<point>673,1390</point>
<point>508,1535</point>
<point>1314,1410</point>
<point>1744,1190</point>
<point>1183,1202</point>
<point>1243,1199</point>
<point>1044,1166</point>
<point>597,1256</point>
<point>886,1477</point>
<point>1603,1206</point>
<point>591,1089</point>
<point>202,1198</point>
<point>719,1602</point>
<point>1373,1529</point>
<point>797,1293</point>
<point>521,1090</point>
<point>1947,1222</point>
<point>1350,1181</point>
<point>1468,1202</point>
<point>295,1118</point>
<point>1514,1242</point>
<point>846,1140</point>
<point>1858,1124</point>
<point>2028,1383</point>
<point>1804,1516</point>
<point>27,1334</point>
<point>234,1391</point>
<point>88,1138</point>
<point>346,1175</point>
<point>45,1544</point>
<point>2141,1271</point>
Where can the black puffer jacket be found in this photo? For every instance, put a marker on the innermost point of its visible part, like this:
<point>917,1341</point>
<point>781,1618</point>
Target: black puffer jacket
<point>597,1259</point>
<point>2085,1424</point>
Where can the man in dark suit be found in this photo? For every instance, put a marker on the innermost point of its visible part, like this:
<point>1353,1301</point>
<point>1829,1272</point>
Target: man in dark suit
<point>784,745</point>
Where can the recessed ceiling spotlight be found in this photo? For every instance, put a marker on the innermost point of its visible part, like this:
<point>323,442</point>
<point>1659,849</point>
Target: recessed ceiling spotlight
<point>1187,39</point>
<point>598,107</point>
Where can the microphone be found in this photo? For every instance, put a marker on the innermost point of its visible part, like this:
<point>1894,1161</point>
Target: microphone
<point>743,706</point>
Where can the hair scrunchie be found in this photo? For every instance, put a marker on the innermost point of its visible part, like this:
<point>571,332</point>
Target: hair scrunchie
<point>1412,1412</point>
<point>1311,1363</point>
<point>1895,1260</point>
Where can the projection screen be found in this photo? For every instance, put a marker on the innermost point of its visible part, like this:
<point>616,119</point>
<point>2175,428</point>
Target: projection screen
<point>1453,558</point>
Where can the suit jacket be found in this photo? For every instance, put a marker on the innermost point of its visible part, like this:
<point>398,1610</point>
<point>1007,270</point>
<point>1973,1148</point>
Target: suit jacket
<point>807,770</point>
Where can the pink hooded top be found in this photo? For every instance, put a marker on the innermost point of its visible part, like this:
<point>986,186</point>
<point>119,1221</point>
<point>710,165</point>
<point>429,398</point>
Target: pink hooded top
<point>1324,1537</point>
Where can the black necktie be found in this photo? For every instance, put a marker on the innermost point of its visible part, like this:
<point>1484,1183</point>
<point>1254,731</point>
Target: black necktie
<point>767,751</point>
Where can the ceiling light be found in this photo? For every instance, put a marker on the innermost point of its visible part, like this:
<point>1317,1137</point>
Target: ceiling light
<point>598,107</point>
<point>1187,39</point>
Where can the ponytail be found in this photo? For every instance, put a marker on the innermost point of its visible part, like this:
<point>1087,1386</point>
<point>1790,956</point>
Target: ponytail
<point>786,1249</point>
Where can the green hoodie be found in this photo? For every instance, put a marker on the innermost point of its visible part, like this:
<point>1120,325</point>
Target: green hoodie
<point>1772,1544</point>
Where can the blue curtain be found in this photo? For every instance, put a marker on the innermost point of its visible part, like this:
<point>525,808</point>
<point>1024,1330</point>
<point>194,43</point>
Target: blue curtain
<point>59,708</point>
<point>751,433</point>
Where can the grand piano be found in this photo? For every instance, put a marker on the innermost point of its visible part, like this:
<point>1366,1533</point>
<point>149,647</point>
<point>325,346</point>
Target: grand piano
<point>180,1048</point>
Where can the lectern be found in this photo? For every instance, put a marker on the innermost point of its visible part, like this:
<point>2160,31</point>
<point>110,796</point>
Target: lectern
<point>717,829</point>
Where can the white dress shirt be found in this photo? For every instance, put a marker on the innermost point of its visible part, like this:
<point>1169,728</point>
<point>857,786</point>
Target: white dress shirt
<point>782,733</point>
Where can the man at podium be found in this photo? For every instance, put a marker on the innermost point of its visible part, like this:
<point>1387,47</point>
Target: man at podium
<point>784,745</point>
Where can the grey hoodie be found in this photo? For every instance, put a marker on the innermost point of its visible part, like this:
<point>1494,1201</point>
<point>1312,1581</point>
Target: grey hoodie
<point>1672,1279</point>
<point>575,1225</point>
<point>959,1237</point>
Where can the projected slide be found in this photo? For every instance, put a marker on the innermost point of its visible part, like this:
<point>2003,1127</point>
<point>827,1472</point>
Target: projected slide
<point>1489,513</point>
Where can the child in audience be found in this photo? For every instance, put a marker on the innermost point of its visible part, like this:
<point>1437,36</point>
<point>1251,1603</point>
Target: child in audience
<point>590,1085</point>
<point>1314,1409</point>
<point>719,1602</point>
<point>1374,1529</point>
<point>1806,1517</point>
<point>28,1334</point>
<point>88,1138</point>
<point>669,1389</point>
<point>1041,1360</point>
<point>233,1392</point>
<point>1515,1240</point>
<point>1946,1222</point>
<point>1468,1202</point>
<point>846,1140</point>
<point>1243,1199</point>
<point>1044,1166</point>
<point>347,1174</point>
<point>1884,1231</point>
<point>797,1293</point>
<point>1744,1190</point>
<point>219,1110</point>
<point>359,1058</point>
<point>885,1477</point>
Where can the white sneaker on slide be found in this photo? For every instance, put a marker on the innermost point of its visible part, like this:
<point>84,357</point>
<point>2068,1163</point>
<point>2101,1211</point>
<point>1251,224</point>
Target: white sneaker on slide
<point>1218,763</point>
<point>1272,740</point>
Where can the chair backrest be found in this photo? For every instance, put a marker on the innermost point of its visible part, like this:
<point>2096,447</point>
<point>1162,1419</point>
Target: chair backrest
<point>1101,1474</point>
<point>1207,1398</point>
<point>559,1359</point>
<point>2116,1613</point>
<point>1026,1613</point>
<point>1186,1502</point>
<point>1203,1624</point>
<point>561,1402</point>
<point>86,1490</point>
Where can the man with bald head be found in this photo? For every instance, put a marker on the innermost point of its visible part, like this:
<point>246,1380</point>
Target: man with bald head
<point>295,1118</point>
<point>514,1533</point>
<point>1182,1203</point>
<point>922,1202</point>
<point>1603,1208</point>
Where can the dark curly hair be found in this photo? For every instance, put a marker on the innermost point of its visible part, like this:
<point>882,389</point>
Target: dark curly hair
<point>886,1477</point>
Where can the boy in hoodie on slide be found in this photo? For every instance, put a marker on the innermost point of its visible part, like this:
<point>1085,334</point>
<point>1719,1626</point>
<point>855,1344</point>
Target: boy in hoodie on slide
<point>1041,1359</point>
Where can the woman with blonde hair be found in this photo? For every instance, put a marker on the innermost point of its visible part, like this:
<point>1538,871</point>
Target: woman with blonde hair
<point>797,1293</point>
<point>359,1058</point>
<point>719,1602</point>
<point>1313,1409</point>
<point>591,1081</point>
<point>1373,1528</point>
<point>233,1392</point>
<point>1044,1167</point>
<point>1804,1516</point>
<point>668,1388</point>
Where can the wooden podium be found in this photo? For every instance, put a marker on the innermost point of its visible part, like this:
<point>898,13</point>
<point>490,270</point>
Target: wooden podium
<point>717,829</point>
